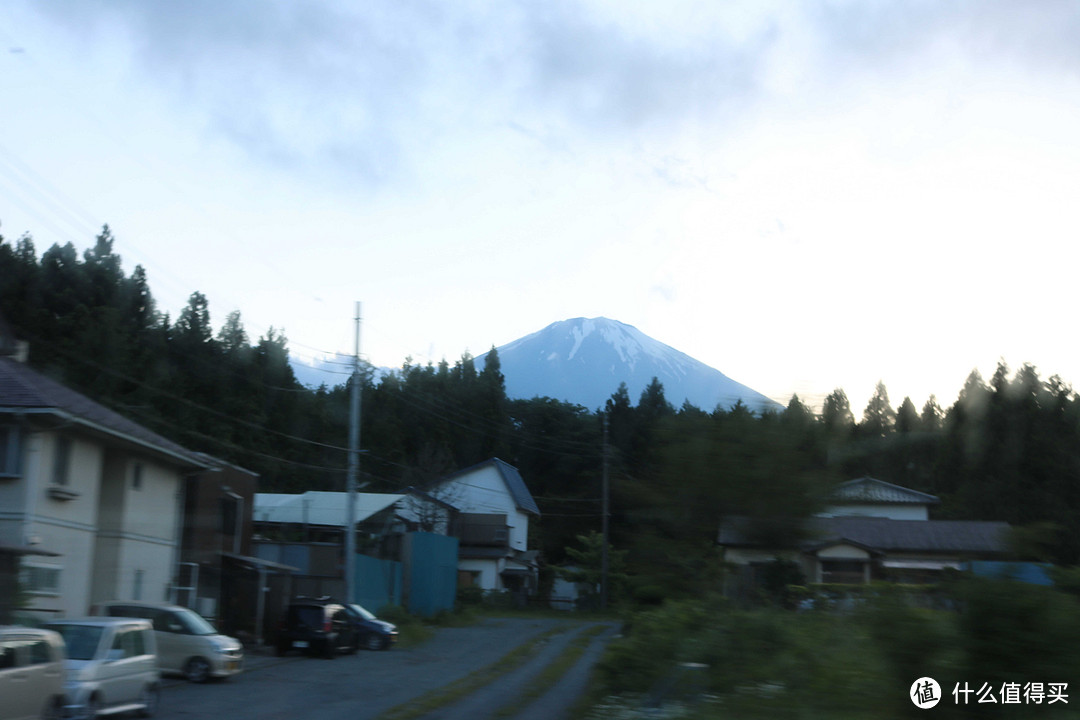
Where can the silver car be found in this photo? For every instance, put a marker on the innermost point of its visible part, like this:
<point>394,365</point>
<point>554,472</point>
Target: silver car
<point>31,674</point>
<point>186,643</point>
<point>111,666</point>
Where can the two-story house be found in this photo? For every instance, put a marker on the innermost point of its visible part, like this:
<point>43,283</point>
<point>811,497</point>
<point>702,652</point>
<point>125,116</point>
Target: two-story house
<point>102,492</point>
<point>495,507</point>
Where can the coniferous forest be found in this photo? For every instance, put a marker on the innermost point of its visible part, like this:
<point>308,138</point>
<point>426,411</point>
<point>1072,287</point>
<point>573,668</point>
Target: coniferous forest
<point>1007,448</point>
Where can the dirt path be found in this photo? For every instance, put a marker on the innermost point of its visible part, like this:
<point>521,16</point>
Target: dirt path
<point>506,691</point>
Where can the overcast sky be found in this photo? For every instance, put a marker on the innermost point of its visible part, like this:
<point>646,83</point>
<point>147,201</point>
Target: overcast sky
<point>802,195</point>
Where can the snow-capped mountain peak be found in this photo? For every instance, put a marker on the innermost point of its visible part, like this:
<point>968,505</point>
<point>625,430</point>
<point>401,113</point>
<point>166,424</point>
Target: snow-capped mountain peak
<point>583,360</point>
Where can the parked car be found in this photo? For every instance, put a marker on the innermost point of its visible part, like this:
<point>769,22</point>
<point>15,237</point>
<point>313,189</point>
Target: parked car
<point>373,633</point>
<point>31,674</point>
<point>318,626</point>
<point>111,666</point>
<point>186,643</point>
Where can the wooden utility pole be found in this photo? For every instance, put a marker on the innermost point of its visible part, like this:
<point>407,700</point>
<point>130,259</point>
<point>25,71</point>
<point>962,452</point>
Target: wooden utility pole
<point>354,468</point>
<point>604,522</point>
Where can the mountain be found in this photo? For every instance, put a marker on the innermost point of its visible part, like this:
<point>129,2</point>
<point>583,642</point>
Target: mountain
<point>583,361</point>
<point>328,370</point>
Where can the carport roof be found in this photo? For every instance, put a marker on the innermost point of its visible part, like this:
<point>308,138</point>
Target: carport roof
<point>318,508</point>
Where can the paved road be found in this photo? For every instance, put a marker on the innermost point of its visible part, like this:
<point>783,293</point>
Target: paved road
<point>369,683</point>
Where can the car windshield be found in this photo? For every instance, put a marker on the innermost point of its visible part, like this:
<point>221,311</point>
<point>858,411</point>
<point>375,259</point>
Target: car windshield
<point>194,623</point>
<point>364,613</point>
<point>81,640</point>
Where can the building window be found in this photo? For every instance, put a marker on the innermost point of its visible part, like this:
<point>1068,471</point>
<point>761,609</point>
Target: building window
<point>40,579</point>
<point>136,592</point>
<point>61,461</point>
<point>850,572</point>
<point>136,476</point>
<point>9,451</point>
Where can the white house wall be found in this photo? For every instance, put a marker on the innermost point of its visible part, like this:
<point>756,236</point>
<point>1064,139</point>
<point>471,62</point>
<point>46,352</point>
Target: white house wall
<point>68,527</point>
<point>882,510</point>
<point>104,534</point>
<point>138,530</point>
<point>484,491</point>
<point>843,552</point>
<point>488,577</point>
<point>749,556</point>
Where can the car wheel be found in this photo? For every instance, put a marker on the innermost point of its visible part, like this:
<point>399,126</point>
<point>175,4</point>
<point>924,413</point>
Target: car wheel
<point>374,642</point>
<point>92,708</point>
<point>54,710</point>
<point>197,670</point>
<point>149,699</point>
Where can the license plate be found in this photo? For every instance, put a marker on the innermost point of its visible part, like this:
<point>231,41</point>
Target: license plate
<point>299,643</point>
<point>232,665</point>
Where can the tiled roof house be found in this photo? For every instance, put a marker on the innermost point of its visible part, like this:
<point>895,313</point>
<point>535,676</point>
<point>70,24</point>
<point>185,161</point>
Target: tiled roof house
<point>82,481</point>
<point>872,529</point>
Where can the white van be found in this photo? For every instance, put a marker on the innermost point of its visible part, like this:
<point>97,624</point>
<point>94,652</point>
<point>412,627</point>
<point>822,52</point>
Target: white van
<point>111,666</point>
<point>31,674</point>
<point>186,643</point>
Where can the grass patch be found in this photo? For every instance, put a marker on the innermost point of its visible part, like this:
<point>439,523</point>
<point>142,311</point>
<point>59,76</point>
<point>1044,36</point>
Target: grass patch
<point>414,630</point>
<point>469,684</point>
<point>552,672</point>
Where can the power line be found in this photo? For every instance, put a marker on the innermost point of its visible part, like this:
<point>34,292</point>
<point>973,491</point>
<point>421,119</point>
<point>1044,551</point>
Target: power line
<point>186,401</point>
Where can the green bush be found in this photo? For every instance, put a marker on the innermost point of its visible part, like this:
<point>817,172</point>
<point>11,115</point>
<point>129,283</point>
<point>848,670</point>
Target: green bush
<point>1016,632</point>
<point>855,657</point>
<point>652,643</point>
<point>471,595</point>
<point>649,595</point>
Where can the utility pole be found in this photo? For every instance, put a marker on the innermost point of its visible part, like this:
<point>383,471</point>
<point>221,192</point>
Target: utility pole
<point>354,467</point>
<point>604,521</point>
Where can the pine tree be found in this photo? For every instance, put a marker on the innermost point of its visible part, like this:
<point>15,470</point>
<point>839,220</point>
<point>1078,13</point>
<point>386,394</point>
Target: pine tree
<point>879,419</point>
<point>836,413</point>
<point>931,415</point>
<point>907,417</point>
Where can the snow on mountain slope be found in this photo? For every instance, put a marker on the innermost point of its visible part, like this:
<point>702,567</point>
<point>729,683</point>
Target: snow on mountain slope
<point>583,361</point>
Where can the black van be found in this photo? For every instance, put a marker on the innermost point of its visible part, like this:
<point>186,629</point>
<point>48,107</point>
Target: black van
<point>317,626</point>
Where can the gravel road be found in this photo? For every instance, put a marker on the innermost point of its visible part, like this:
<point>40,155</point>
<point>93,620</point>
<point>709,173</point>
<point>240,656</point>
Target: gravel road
<point>370,683</point>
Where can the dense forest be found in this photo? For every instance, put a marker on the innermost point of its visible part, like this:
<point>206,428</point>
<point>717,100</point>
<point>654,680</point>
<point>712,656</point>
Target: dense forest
<point>1006,449</point>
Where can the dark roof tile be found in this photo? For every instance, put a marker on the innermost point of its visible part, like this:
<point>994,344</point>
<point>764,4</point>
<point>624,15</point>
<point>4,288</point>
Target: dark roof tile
<point>22,388</point>
<point>868,489</point>
<point>887,535</point>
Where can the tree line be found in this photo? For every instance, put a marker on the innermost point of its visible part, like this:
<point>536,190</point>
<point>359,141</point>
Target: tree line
<point>1006,449</point>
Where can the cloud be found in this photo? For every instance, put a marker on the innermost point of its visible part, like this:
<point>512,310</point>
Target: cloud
<point>1038,36</point>
<point>371,90</point>
<point>601,76</point>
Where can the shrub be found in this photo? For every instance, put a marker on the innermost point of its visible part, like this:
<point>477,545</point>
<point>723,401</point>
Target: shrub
<point>1017,632</point>
<point>471,595</point>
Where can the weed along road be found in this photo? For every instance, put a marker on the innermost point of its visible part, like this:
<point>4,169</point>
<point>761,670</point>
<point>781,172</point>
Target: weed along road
<point>498,668</point>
